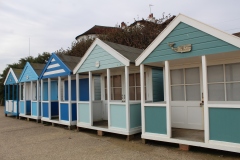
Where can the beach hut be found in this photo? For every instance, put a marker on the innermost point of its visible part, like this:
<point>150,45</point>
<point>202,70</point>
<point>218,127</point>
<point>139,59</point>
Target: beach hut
<point>115,106</point>
<point>58,90</point>
<point>12,92</point>
<point>201,104</point>
<point>29,102</point>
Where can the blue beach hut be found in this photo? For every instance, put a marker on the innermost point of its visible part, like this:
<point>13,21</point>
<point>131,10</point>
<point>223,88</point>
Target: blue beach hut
<point>115,106</point>
<point>58,90</point>
<point>29,83</point>
<point>12,92</point>
<point>201,105</point>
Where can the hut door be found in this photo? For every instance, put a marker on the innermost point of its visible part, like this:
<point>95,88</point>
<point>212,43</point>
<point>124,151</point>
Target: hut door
<point>186,96</point>
<point>84,89</point>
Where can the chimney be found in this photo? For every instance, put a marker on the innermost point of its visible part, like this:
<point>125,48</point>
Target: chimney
<point>150,16</point>
<point>123,25</point>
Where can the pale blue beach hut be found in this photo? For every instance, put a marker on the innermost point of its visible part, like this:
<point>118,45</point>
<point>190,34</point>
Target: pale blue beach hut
<point>12,92</point>
<point>29,83</point>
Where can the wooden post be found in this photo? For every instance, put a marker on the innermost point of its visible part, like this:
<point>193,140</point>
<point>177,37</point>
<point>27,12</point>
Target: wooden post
<point>59,97</point>
<point>49,99</point>
<point>168,92</point>
<point>77,95</point>
<point>69,99</point>
<point>205,93</point>
<point>37,98</point>
<point>24,98</point>
<point>41,98</point>
<point>90,98</point>
<point>108,95</point>
<point>127,99</point>
<point>142,96</point>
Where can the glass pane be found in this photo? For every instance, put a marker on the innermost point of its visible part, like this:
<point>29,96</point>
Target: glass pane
<point>177,93</point>
<point>192,75</point>
<point>131,80</point>
<point>216,92</point>
<point>105,94</point>
<point>138,79</point>
<point>138,94</point>
<point>232,72</point>
<point>117,81</point>
<point>117,93</point>
<point>215,73</point>
<point>177,76</point>
<point>132,93</point>
<point>233,91</point>
<point>193,93</point>
<point>105,82</point>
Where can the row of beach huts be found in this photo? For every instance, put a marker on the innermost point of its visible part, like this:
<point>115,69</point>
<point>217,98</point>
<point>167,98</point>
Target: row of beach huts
<point>183,88</point>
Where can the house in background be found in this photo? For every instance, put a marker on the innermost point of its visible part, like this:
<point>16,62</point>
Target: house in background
<point>95,31</point>
<point>12,92</point>
<point>29,98</point>
<point>201,104</point>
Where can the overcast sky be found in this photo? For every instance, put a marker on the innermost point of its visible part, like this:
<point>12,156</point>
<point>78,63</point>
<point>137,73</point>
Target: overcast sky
<point>54,24</point>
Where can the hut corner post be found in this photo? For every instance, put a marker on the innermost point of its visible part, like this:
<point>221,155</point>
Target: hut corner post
<point>205,93</point>
<point>168,93</point>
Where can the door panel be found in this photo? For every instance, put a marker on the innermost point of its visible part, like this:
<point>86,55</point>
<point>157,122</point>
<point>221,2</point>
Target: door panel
<point>186,98</point>
<point>84,89</point>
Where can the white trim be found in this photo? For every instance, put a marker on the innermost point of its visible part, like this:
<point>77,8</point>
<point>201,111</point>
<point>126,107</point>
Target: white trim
<point>69,98</point>
<point>49,98</point>
<point>90,99</point>
<point>108,95</point>
<point>14,76</point>
<point>107,48</point>
<point>223,105</point>
<point>142,96</point>
<point>53,66</point>
<point>168,99</point>
<point>41,97</point>
<point>234,40</point>
<point>127,97</point>
<point>53,60</point>
<point>77,93</point>
<point>205,94</point>
<point>54,72</point>
<point>225,146</point>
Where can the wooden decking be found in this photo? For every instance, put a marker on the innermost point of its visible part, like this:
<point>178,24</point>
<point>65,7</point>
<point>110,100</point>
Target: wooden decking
<point>188,134</point>
<point>102,124</point>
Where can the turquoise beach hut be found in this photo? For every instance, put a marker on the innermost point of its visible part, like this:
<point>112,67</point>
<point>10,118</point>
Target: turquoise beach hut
<point>201,105</point>
<point>12,92</point>
<point>58,90</point>
<point>30,91</point>
<point>115,106</point>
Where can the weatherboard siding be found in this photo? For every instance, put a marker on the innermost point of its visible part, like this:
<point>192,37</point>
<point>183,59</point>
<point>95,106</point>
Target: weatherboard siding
<point>10,79</point>
<point>98,54</point>
<point>28,74</point>
<point>202,44</point>
<point>157,84</point>
<point>55,68</point>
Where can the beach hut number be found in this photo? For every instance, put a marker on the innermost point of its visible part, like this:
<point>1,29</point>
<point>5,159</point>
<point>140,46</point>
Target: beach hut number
<point>181,49</point>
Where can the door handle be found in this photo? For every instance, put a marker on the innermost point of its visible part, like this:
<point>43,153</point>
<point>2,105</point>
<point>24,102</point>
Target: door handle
<point>202,103</point>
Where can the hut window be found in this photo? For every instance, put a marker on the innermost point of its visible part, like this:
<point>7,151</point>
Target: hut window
<point>224,82</point>
<point>116,87</point>
<point>185,84</point>
<point>135,86</point>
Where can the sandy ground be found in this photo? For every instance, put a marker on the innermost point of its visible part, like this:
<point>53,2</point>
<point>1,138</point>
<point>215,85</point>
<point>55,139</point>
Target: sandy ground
<point>21,139</point>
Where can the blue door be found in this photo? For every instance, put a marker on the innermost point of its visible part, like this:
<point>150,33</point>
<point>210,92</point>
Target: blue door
<point>84,89</point>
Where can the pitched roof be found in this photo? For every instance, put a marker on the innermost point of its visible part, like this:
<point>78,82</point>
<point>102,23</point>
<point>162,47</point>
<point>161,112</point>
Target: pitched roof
<point>237,34</point>
<point>38,67</point>
<point>97,30</point>
<point>130,53</point>
<point>69,61</point>
<point>17,72</point>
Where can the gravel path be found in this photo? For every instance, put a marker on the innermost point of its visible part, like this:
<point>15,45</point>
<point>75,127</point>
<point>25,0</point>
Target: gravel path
<point>23,140</point>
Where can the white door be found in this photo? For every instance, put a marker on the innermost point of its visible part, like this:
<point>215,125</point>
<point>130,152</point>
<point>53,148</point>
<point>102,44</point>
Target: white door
<point>186,96</point>
<point>10,106</point>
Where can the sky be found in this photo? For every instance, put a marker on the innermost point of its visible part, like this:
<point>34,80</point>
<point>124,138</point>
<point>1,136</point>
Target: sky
<point>50,25</point>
